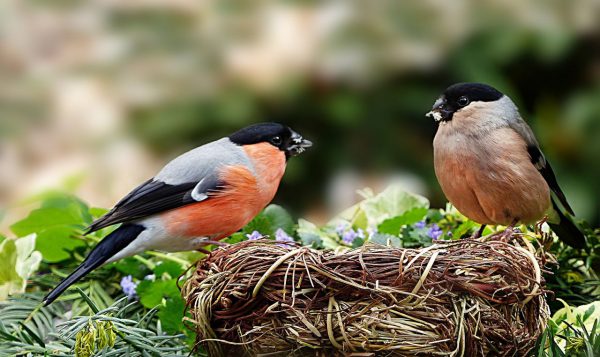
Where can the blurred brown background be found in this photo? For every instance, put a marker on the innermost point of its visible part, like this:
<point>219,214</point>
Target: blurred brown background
<point>96,96</point>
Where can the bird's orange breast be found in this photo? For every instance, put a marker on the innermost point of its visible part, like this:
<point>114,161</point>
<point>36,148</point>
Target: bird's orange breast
<point>248,191</point>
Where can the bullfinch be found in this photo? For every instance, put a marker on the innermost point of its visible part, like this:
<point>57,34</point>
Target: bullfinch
<point>490,165</point>
<point>200,197</point>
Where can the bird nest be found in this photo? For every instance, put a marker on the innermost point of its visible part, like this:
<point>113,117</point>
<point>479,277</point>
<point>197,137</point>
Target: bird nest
<point>459,298</point>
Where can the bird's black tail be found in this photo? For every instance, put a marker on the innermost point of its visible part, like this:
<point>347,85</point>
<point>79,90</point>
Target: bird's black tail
<point>567,230</point>
<point>109,246</point>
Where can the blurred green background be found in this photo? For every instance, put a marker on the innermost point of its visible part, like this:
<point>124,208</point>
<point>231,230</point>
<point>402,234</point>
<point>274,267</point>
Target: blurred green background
<point>98,95</point>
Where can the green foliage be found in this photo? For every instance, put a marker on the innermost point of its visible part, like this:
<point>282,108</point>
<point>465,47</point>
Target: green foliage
<point>58,224</point>
<point>573,331</point>
<point>151,321</point>
<point>269,220</point>
<point>18,261</point>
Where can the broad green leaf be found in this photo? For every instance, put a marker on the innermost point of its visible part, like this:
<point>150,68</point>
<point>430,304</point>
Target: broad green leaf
<point>279,218</point>
<point>269,220</point>
<point>235,238</point>
<point>97,212</point>
<point>18,261</point>
<point>55,243</point>
<point>394,201</point>
<point>393,225</point>
<point>131,266</point>
<point>310,234</point>
<point>152,293</point>
<point>168,267</point>
<point>588,314</point>
<point>171,315</point>
<point>55,224</point>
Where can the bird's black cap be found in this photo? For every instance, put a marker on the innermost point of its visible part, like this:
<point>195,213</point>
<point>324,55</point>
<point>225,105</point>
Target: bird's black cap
<point>473,91</point>
<point>276,134</point>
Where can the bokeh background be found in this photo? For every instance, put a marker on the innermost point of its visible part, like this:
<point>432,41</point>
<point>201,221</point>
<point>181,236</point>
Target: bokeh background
<point>95,96</point>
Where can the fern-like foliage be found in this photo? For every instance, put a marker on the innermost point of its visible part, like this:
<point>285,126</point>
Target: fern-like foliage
<point>123,329</point>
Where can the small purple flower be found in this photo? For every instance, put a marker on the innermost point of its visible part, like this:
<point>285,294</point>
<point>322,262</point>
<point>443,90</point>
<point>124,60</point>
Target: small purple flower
<point>129,286</point>
<point>450,234</point>
<point>282,236</point>
<point>420,225</point>
<point>360,233</point>
<point>254,235</point>
<point>435,232</point>
<point>349,236</point>
<point>341,228</point>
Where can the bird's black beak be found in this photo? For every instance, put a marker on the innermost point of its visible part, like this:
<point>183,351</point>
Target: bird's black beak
<point>297,145</point>
<point>440,112</point>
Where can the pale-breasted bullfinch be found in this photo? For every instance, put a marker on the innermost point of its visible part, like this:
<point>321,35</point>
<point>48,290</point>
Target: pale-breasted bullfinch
<point>200,197</point>
<point>490,165</point>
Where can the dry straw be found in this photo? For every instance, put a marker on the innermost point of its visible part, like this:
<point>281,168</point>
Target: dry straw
<point>460,298</point>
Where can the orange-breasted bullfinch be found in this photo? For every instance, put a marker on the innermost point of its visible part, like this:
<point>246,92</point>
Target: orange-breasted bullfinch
<point>200,197</point>
<point>490,165</point>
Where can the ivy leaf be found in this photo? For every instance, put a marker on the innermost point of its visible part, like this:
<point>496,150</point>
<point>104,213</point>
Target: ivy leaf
<point>393,225</point>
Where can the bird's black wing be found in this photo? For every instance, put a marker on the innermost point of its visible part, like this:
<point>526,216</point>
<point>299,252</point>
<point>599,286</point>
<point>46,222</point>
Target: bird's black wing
<point>543,166</point>
<point>153,197</point>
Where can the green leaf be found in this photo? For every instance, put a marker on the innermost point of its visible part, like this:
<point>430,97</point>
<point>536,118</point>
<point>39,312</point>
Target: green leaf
<point>394,201</point>
<point>18,261</point>
<point>393,225</point>
<point>171,315</point>
<point>311,235</point>
<point>235,238</point>
<point>55,224</point>
<point>131,266</point>
<point>55,243</point>
<point>97,212</point>
<point>279,218</point>
<point>169,267</point>
<point>152,293</point>
<point>269,220</point>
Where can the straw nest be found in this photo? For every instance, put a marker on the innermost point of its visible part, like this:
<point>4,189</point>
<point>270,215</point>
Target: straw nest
<point>460,298</point>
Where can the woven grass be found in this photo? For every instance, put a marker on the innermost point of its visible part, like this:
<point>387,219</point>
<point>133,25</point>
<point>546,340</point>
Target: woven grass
<point>460,298</point>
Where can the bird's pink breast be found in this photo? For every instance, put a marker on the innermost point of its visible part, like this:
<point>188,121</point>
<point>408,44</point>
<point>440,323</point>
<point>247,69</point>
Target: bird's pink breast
<point>248,192</point>
<point>491,179</point>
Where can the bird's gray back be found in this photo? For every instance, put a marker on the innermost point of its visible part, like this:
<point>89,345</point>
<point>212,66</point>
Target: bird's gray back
<point>203,161</point>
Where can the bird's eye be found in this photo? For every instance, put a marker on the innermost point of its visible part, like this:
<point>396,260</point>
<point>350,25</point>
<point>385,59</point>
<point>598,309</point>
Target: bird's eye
<point>463,101</point>
<point>276,140</point>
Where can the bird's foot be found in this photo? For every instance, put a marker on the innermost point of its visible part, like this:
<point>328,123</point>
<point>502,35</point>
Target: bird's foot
<point>206,243</point>
<point>508,233</point>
